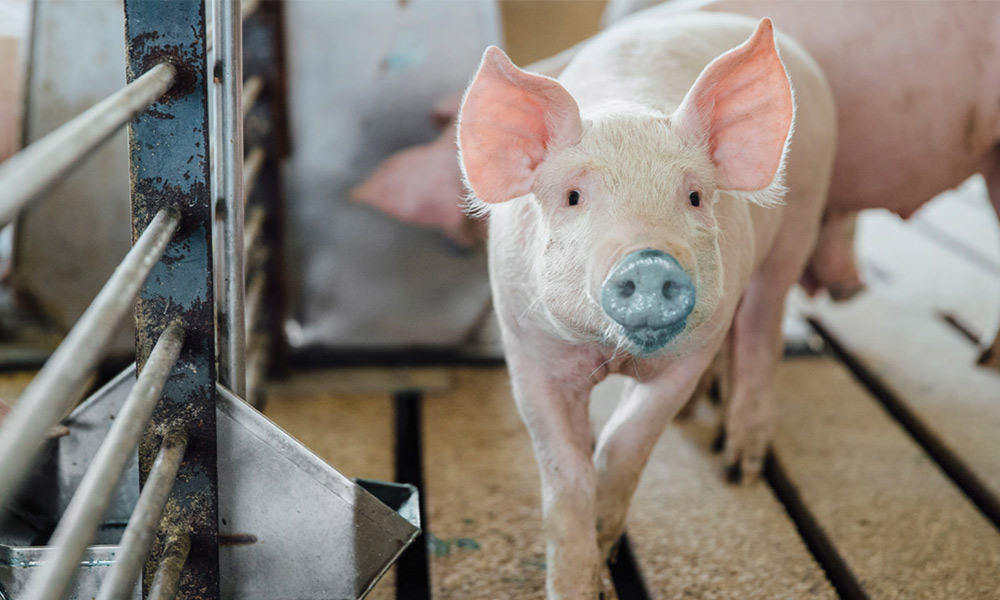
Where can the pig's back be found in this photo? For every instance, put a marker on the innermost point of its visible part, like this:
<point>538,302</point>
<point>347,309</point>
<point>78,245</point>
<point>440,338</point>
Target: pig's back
<point>649,59</point>
<point>917,87</point>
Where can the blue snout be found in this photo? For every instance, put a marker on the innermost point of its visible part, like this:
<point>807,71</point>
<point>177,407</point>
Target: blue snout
<point>650,295</point>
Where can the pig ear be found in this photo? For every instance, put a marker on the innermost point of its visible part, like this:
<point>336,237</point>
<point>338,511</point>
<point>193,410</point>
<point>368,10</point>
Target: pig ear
<point>509,122</point>
<point>741,108</point>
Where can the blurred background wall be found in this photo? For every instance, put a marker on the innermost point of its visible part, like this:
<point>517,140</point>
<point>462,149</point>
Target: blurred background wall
<point>536,29</point>
<point>363,75</point>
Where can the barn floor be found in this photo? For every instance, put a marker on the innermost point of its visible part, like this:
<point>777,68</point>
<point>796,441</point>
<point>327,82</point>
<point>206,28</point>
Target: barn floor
<point>885,481</point>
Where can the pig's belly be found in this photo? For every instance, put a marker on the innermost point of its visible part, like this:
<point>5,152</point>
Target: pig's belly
<point>888,159</point>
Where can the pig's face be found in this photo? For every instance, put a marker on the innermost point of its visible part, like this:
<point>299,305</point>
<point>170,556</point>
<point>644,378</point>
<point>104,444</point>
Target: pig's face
<point>598,207</point>
<point>628,243</point>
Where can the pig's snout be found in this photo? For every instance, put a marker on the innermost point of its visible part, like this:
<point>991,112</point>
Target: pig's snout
<point>650,295</point>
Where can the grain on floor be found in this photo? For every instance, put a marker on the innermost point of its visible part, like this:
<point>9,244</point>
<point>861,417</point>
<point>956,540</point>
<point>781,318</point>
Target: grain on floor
<point>482,493</point>
<point>696,536</point>
<point>931,369</point>
<point>901,526</point>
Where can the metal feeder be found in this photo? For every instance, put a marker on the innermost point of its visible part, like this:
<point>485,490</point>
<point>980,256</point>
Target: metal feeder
<point>290,526</point>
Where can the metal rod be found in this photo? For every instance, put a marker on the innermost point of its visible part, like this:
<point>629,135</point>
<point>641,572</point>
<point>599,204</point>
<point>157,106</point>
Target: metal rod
<point>252,165</point>
<point>247,9</point>
<point>91,499</point>
<point>142,525</point>
<point>32,170</point>
<point>47,397</point>
<point>251,92</point>
<point>168,574</point>
<point>232,334</point>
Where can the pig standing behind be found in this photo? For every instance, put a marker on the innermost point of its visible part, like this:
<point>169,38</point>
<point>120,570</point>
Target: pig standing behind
<point>638,219</point>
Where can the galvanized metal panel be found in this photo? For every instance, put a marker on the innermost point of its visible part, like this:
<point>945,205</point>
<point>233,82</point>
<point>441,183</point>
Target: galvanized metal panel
<point>291,526</point>
<point>19,564</point>
<point>363,76</point>
<point>168,163</point>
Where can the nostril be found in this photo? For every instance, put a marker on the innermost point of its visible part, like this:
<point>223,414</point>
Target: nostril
<point>627,288</point>
<point>669,290</point>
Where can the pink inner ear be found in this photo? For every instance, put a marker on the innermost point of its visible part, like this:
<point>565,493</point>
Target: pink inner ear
<point>509,122</point>
<point>741,106</point>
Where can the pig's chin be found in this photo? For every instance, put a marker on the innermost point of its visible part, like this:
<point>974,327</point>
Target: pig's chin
<point>648,341</point>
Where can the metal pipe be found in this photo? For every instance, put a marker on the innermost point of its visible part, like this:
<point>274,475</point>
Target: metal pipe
<point>32,170</point>
<point>251,170</point>
<point>232,333</point>
<point>47,397</point>
<point>142,525</point>
<point>91,499</point>
<point>248,8</point>
<point>251,92</point>
<point>168,574</point>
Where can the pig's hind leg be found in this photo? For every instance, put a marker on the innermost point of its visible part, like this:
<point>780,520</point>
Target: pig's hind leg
<point>629,437</point>
<point>755,346</point>
<point>833,265</point>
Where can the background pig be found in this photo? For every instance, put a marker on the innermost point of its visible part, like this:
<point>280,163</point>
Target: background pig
<point>638,219</point>
<point>917,86</point>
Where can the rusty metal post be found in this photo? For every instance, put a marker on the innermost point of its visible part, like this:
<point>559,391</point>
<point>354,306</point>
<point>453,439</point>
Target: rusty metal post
<point>169,166</point>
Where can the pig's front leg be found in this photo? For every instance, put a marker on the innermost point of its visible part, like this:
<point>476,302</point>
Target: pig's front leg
<point>557,417</point>
<point>630,435</point>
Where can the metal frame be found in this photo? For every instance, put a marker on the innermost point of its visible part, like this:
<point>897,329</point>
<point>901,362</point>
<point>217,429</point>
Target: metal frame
<point>170,411</point>
<point>232,330</point>
<point>169,275</point>
<point>174,172</point>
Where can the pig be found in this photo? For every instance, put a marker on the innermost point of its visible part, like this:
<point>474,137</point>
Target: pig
<point>646,208</point>
<point>917,88</point>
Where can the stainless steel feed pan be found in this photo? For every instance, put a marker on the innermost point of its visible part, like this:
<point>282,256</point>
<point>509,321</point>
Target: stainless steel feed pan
<point>290,526</point>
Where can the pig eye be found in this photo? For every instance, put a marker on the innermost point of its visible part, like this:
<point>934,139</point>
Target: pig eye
<point>695,198</point>
<point>574,198</point>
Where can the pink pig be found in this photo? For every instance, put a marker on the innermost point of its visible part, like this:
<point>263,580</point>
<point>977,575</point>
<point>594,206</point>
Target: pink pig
<point>645,208</point>
<point>917,87</point>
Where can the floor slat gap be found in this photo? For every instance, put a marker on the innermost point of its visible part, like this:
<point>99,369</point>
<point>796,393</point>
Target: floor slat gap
<point>816,540</point>
<point>626,574</point>
<point>413,579</point>
<point>963,328</point>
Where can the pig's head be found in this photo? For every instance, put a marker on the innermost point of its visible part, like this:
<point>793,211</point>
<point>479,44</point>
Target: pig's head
<point>628,197</point>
